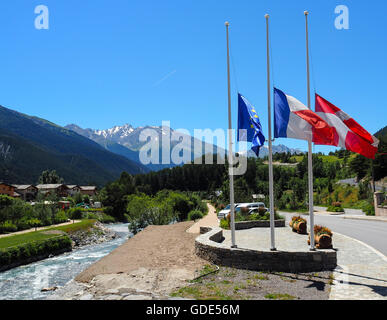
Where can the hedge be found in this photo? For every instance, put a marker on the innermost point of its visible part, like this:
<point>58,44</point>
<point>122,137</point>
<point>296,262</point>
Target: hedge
<point>32,251</point>
<point>195,214</point>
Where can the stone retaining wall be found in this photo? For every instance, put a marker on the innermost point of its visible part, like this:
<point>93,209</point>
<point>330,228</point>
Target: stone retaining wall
<point>241,225</point>
<point>209,247</point>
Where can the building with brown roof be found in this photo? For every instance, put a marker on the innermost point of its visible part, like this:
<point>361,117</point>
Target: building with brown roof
<point>60,190</point>
<point>89,190</point>
<point>27,191</point>
<point>8,190</point>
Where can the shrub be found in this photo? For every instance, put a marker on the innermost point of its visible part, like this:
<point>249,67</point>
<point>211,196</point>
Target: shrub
<point>7,226</point>
<point>21,253</point>
<point>92,216</point>
<point>34,223</point>
<point>335,209</point>
<point>195,214</point>
<point>23,224</point>
<point>60,217</point>
<point>224,224</point>
<point>75,213</point>
<point>105,218</point>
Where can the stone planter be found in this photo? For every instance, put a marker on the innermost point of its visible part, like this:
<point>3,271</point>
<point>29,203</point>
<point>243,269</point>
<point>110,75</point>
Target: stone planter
<point>242,225</point>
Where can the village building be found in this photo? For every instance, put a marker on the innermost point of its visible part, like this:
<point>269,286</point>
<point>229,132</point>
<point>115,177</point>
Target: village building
<point>27,192</point>
<point>89,190</point>
<point>60,190</point>
<point>8,190</point>
<point>73,189</point>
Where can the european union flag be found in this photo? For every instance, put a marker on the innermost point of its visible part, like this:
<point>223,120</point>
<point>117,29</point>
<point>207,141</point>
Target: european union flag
<point>249,120</point>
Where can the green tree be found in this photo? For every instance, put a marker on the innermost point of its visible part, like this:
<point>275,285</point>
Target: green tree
<point>50,177</point>
<point>360,165</point>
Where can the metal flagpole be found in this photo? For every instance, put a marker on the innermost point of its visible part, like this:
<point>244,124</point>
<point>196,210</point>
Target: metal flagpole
<point>310,164</point>
<point>271,192</point>
<point>230,153</point>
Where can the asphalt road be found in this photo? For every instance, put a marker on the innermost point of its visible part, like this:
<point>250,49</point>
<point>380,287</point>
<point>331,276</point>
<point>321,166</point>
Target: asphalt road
<point>373,233</point>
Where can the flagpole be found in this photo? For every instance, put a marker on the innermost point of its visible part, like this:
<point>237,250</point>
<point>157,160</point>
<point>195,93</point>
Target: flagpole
<point>271,192</point>
<point>310,158</point>
<point>230,153</point>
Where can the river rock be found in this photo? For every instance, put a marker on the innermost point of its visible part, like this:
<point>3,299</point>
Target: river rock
<point>49,289</point>
<point>95,235</point>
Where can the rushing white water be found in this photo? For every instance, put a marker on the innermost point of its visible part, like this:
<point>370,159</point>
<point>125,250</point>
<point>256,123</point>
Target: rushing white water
<point>26,282</point>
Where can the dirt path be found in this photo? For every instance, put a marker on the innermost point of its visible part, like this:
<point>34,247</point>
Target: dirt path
<point>156,247</point>
<point>37,229</point>
<point>151,265</point>
<point>210,220</point>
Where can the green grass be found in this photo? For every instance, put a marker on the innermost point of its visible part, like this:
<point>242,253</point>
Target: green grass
<point>279,296</point>
<point>19,239</point>
<point>70,228</point>
<point>24,238</point>
<point>259,277</point>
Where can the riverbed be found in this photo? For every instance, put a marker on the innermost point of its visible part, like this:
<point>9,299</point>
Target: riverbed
<point>26,282</point>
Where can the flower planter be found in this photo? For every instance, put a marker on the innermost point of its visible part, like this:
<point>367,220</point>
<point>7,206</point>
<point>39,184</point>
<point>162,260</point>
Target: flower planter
<point>298,226</point>
<point>322,237</point>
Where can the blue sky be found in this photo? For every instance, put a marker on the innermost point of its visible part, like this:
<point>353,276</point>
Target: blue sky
<point>106,63</point>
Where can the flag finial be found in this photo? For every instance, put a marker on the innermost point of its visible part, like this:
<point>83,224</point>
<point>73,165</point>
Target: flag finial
<point>266,16</point>
<point>226,23</point>
<point>306,12</point>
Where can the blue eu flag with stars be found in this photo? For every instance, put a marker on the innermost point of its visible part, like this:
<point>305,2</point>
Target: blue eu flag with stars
<point>249,120</point>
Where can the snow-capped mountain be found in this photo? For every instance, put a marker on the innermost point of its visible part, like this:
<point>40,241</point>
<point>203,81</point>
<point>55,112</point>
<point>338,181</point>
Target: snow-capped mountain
<point>115,132</point>
<point>125,140</point>
<point>264,151</point>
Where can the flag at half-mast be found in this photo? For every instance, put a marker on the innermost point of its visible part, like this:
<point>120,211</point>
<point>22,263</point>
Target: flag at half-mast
<point>249,121</point>
<point>292,119</point>
<point>348,134</point>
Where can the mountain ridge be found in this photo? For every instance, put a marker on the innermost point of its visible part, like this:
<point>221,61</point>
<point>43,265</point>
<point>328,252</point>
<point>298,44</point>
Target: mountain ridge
<point>62,146</point>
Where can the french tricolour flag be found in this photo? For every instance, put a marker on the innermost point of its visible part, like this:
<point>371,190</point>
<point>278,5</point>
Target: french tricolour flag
<point>292,119</point>
<point>348,133</point>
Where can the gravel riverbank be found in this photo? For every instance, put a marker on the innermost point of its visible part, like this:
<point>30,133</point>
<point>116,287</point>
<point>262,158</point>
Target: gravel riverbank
<point>96,235</point>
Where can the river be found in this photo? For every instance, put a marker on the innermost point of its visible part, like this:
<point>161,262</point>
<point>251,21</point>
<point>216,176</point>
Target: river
<point>26,282</point>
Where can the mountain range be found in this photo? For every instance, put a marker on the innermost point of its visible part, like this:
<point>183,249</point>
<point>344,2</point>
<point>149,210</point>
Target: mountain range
<point>125,140</point>
<point>30,145</point>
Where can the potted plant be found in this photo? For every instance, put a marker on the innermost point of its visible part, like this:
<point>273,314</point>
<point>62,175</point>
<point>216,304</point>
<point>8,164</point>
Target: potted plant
<point>298,224</point>
<point>322,237</point>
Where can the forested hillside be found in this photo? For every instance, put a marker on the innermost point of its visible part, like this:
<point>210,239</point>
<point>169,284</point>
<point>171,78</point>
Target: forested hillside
<point>29,145</point>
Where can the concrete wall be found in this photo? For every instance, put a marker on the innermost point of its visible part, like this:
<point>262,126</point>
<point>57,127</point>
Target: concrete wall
<point>209,247</point>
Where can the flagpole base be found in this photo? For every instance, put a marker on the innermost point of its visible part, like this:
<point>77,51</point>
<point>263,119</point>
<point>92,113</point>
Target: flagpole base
<point>234,246</point>
<point>312,249</point>
<point>273,249</point>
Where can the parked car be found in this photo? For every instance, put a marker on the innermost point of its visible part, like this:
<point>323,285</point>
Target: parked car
<point>239,206</point>
<point>222,213</point>
<point>256,210</point>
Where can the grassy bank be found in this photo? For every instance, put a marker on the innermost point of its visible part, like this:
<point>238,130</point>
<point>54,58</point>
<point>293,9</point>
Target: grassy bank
<point>33,246</point>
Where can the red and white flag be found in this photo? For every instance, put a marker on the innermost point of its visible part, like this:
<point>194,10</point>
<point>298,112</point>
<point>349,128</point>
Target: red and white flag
<point>348,133</point>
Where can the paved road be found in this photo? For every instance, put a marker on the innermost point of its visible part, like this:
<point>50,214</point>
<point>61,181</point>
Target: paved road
<point>373,233</point>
